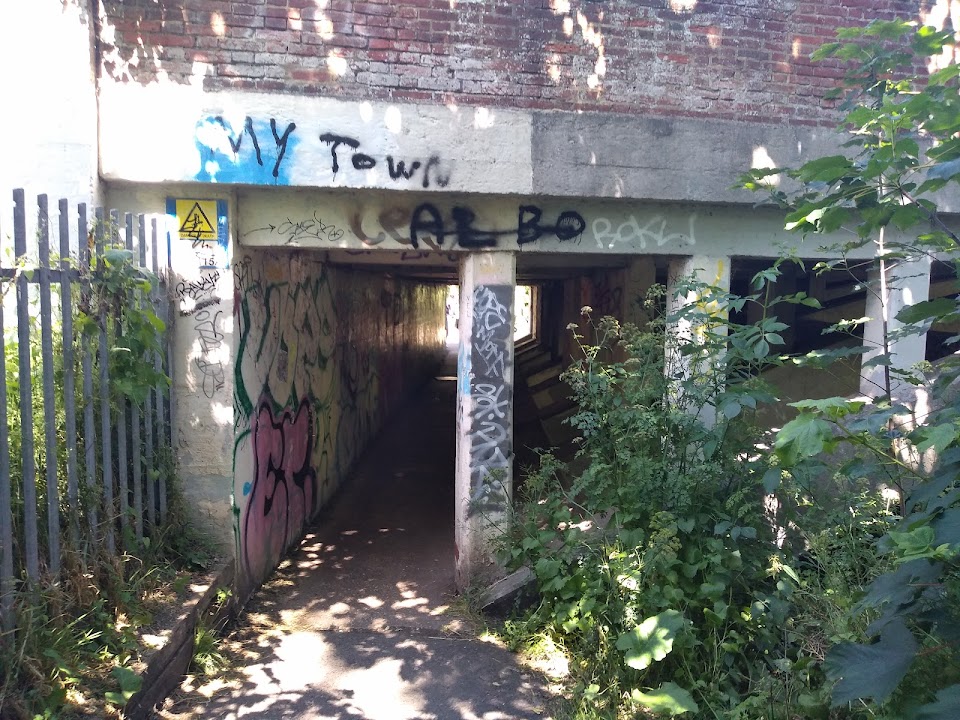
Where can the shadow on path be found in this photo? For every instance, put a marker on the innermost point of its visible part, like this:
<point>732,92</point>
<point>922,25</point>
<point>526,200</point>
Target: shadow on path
<point>361,621</point>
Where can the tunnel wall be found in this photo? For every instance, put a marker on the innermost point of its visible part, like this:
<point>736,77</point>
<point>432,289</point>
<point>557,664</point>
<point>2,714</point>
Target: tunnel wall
<point>323,356</point>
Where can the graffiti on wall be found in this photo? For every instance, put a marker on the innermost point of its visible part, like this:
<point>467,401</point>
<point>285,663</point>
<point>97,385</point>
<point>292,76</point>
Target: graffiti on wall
<point>427,226</point>
<point>310,388</point>
<point>252,152</point>
<point>280,498</point>
<point>430,172</point>
<point>260,151</point>
<point>295,231</point>
<point>631,234</point>
<point>491,391</point>
<point>201,225</point>
<point>210,340</point>
<point>606,294</point>
<point>427,221</point>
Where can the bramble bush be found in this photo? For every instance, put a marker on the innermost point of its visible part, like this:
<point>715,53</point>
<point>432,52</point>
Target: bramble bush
<point>903,119</point>
<point>686,561</point>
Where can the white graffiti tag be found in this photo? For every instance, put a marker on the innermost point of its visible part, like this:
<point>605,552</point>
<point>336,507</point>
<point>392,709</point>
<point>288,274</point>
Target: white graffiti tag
<point>632,233</point>
<point>488,404</point>
<point>490,436</point>
<point>489,317</point>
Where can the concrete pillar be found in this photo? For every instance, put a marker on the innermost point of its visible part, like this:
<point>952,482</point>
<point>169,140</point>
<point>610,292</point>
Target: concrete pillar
<point>536,314</point>
<point>203,367</point>
<point>908,282</point>
<point>640,275</point>
<point>484,472</point>
<point>570,313</point>
<point>714,271</point>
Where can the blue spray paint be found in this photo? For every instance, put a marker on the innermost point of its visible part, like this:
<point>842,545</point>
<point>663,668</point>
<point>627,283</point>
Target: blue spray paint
<point>254,152</point>
<point>463,369</point>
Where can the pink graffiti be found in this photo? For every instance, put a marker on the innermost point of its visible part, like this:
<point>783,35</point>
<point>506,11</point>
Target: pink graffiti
<point>281,498</point>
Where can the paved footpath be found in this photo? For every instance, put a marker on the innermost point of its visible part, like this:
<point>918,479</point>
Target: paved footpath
<point>361,622</point>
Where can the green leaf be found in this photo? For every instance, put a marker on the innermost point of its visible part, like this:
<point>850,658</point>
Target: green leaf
<point>927,310</point>
<point>669,699</point>
<point>651,640</point>
<point>547,568</point>
<point>938,437</point>
<point>943,75</point>
<point>871,671</point>
<point>899,587</point>
<point>908,215</point>
<point>804,436</point>
<point>833,407</point>
<point>771,479</point>
<point>914,543</point>
<point>115,698</point>
<point>826,169</point>
<point>116,256</point>
<point>945,170</point>
<point>947,532</point>
<point>945,707</point>
<point>731,409</point>
<point>591,692</point>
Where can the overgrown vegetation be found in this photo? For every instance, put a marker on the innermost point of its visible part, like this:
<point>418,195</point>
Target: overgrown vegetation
<point>75,649</point>
<point>688,563</point>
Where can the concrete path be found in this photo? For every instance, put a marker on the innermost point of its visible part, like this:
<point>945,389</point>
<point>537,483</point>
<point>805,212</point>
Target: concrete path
<point>362,621</point>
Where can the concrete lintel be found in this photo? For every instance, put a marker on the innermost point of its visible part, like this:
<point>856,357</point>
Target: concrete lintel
<point>271,139</point>
<point>420,229</point>
<point>663,158</point>
<point>484,467</point>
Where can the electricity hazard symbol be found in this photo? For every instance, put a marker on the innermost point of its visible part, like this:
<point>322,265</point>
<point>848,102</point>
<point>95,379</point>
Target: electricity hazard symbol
<point>202,223</point>
<point>193,219</point>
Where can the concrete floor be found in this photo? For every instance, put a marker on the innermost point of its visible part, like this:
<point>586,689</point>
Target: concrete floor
<point>362,620</point>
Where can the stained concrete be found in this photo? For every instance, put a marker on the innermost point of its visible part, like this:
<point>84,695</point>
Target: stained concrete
<point>361,621</point>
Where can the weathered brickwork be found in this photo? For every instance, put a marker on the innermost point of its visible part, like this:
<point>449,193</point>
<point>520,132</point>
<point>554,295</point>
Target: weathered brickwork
<point>733,59</point>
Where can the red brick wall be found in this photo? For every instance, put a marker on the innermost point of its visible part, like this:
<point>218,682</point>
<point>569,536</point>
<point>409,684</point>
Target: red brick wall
<point>731,59</point>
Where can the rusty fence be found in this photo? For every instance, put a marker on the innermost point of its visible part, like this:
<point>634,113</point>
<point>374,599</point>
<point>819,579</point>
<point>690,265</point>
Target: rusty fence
<point>83,469</point>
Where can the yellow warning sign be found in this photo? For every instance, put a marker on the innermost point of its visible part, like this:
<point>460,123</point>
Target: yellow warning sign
<point>197,219</point>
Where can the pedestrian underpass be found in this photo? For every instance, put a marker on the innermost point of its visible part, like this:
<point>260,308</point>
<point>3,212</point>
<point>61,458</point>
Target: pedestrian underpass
<point>330,349</point>
<point>333,346</point>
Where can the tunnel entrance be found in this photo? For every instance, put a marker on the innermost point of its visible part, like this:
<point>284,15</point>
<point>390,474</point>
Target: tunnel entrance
<point>348,364</point>
<point>523,309</point>
<point>358,362</point>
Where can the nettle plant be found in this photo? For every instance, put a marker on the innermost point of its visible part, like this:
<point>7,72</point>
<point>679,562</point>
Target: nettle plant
<point>903,123</point>
<point>119,290</point>
<point>656,565</point>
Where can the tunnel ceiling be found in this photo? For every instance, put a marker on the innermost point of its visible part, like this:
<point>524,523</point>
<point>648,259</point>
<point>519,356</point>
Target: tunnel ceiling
<point>442,267</point>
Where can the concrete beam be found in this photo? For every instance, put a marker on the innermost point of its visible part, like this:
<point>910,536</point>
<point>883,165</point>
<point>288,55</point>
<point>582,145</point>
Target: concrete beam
<point>629,156</point>
<point>426,229</point>
<point>184,134</point>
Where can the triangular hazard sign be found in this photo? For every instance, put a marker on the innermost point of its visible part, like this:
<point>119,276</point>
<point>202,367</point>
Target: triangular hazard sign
<point>197,225</point>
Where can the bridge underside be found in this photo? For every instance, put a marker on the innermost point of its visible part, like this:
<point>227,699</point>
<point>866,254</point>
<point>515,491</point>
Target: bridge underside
<point>317,314</point>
